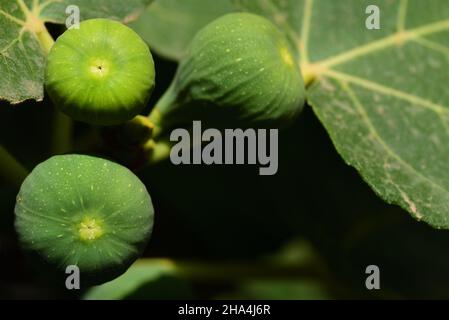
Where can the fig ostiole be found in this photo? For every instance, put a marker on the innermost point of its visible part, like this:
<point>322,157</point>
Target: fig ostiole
<point>84,211</point>
<point>102,73</point>
<point>239,71</point>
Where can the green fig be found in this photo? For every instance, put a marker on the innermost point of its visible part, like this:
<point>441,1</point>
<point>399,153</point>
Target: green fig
<point>239,70</point>
<point>84,211</point>
<point>102,73</point>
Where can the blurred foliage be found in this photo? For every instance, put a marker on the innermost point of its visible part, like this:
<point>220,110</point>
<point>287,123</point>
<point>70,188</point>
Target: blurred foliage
<point>280,290</point>
<point>157,280</point>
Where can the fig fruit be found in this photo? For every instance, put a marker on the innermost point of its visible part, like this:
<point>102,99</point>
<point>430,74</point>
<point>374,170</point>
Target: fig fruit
<point>239,70</point>
<point>84,211</point>
<point>102,73</point>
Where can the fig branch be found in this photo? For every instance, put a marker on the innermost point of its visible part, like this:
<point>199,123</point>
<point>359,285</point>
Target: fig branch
<point>220,272</point>
<point>140,131</point>
<point>11,170</point>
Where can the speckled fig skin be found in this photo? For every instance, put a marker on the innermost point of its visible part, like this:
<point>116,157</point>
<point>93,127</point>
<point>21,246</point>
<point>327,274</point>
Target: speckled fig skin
<point>239,70</point>
<point>102,73</point>
<point>85,211</point>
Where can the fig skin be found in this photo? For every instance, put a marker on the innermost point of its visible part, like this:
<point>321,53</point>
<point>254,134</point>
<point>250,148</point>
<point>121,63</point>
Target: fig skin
<point>239,71</point>
<point>84,211</point>
<point>102,73</point>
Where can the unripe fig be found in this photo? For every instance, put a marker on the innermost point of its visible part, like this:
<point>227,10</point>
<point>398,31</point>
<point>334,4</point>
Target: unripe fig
<point>84,211</point>
<point>102,73</point>
<point>239,70</point>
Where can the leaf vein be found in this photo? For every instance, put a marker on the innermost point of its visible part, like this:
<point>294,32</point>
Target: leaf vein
<point>402,15</point>
<point>12,18</point>
<point>358,105</point>
<point>305,31</point>
<point>371,85</point>
<point>438,109</point>
<point>382,44</point>
<point>432,45</point>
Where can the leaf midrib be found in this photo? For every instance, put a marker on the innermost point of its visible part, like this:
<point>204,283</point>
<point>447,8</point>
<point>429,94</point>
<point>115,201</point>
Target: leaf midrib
<point>32,23</point>
<point>374,86</point>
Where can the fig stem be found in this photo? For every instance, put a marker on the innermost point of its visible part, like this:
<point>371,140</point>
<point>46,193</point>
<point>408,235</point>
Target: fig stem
<point>45,39</point>
<point>11,170</point>
<point>157,151</point>
<point>137,131</point>
<point>157,147</point>
<point>162,107</point>
<point>155,119</point>
<point>310,72</point>
<point>62,133</point>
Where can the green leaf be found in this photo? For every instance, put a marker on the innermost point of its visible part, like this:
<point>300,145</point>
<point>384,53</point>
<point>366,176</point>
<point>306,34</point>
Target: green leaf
<point>155,280</point>
<point>22,58</point>
<point>381,94</point>
<point>291,289</point>
<point>169,25</point>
